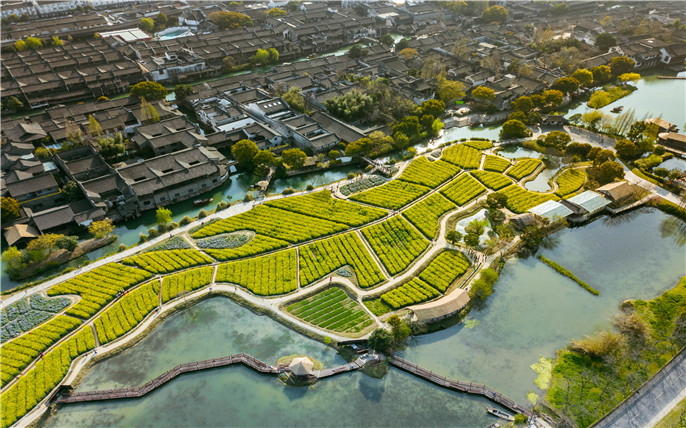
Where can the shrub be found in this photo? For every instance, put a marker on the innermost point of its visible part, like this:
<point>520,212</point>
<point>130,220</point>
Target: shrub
<point>202,214</point>
<point>288,191</point>
<point>186,220</point>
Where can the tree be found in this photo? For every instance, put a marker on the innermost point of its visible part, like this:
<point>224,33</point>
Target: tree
<point>436,126</point>
<point>293,158</point>
<point>381,340</point>
<point>601,74</point>
<point>261,57</point>
<point>14,260</point>
<point>629,77</point>
<point>557,139</point>
<point>453,236</point>
<point>93,126</point>
<point>621,64</point>
<point>71,191</point>
<point>599,99</point>
<point>387,40</point>
<point>435,108</point>
<point>605,41</point>
<point>163,215</point>
<point>514,129</point>
<point>361,147</point>
<point>472,239</point>
<point>100,229</point>
<point>517,115</point>
<point>149,90</point>
<point>402,44</point>
<point>112,148</point>
<point>399,330</point>
<point>56,41</point>
<point>408,54</point>
<point>495,201</point>
<point>553,97</point>
<point>20,45</point>
<point>448,90</point>
<point>626,149</point>
<point>228,62</point>
<point>566,84</point>
<point>244,152</point>
<point>182,91</point>
<point>148,112</point>
<point>609,171</point>
<point>230,20</point>
<point>13,103</point>
<point>275,12</point>
<point>523,104</point>
<point>43,242</point>
<point>9,208</point>
<point>334,154</point>
<point>42,153</point>
<point>357,51</point>
<point>161,21</point>
<point>34,43</point>
<point>410,127</point>
<point>264,158</point>
<point>295,99</point>
<point>583,76</point>
<point>495,14</point>
<point>147,25</point>
<point>351,106</point>
<point>483,95</point>
<point>68,243</point>
<point>273,55</point>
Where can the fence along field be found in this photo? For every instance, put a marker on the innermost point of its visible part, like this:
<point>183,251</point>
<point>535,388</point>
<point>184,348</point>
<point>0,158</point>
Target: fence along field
<point>35,385</point>
<point>492,180</point>
<point>98,287</point>
<point>520,200</point>
<point>167,261</point>
<point>396,243</point>
<point>523,167</point>
<point>570,181</point>
<point>128,312</point>
<point>19,352</point>
<point>394,194</point>
<point>320,258</point>
<point>323,205</point>
<point>496,163</point>
<point>275,223</point>
<point>257,245</point>
<point>265,276</point>
<point>463,189</point>
<point>431,174</point>
<point>332,309</point>
<point>424,215</point>
<point>462,156</point>
<point>185,282</point>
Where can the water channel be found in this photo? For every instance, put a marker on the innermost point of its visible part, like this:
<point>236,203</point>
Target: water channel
<point>534,311</point>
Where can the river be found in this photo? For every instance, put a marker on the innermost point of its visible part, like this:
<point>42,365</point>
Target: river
<point>534,311</point>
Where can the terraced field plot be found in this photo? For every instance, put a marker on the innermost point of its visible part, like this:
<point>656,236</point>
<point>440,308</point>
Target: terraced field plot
<point>463,189</point>
<point>479,144</point>
<point>424,215</point>
<point>167,261</point>
<point>265,276</point>
<point>444,270</point>
<point>570,181</point>
<point>332,309</point>
<point>323,205</point>
<point>185,282</point>
<point>523,168</point>
<point>394,195</point>
<point>257,245</point>
<point>412,292</point>
<point>396,243</point>
<point>423,171</point>
<point>492,180</point>
<point>496,163</point>
<point>128,312</point>
<point>462,156</point>
<point>520,200</point>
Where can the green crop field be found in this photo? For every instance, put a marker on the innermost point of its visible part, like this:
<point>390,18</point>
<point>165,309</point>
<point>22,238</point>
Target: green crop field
<point>520,200</point>
<point>332,309</point>
<point>396,243</point>
<point>394,195</point>
<point>424,215</point>
<point>128,312</point>
<point>322,205</point>
<point>186,281</point>
<point>98,287</point>
<point>462,156</point>
<point>463,189</point>
<point>479,144</point>
<point>167,261</point>
<point>258,244</point>
<point>320,258</point>
<point>275,223</point>
<point>431,174</point>
<point>496,163</point>
<point>412,292</point>
<point>523,167</point>
<point>265,276</point>
<point>444,270</point>
<point>492,180</point>
<point>570,181</point>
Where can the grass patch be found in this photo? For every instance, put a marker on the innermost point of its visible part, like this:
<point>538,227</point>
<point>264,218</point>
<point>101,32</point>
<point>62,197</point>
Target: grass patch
<point>332,309</point>
<point>601,98</point>
<point>561,270</point>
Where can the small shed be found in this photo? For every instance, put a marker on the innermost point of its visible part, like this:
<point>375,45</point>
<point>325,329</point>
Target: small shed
<point>301,366</point>
<point>521,221</point>
<point>617,190</point>
<point>551,210</point>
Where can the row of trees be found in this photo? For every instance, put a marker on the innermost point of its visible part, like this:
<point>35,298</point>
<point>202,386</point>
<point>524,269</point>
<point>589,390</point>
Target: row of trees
<point>251,158</point>
<point>160,22</point>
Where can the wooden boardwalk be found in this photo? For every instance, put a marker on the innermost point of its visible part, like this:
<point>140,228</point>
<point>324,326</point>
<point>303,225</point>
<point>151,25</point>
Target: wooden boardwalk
<point>468,387</point>
<point>114,394</point>
<point>348,367</point>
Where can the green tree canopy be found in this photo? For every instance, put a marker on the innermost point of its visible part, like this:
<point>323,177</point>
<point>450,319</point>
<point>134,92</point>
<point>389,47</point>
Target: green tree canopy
<point>275,12</point>
<point>387,40</point>
<point>566,84</point>
<point>361,147</point>
<point>605,41</point>
<point>448,90</point>
<point>409,127</point>
<point>553,97</point>
<point>293,158</point>
<point>230,20</point>
<point>626,149</point>
<point>13,103</point>
<point>483,95</point>
<point>609,171</point>
<point>583,76</point>
<point>34,43</point>
<point>351,106</point>
<point>523,104</point>
<point>601,74</point>
<point>93,126</point>
<point>71,191</point>
<point>295,99</point>
<point>68,243</point>
<point>244,152</point>
<point>112,148</point>
<point>20,45</point>
<point>163,215</point>
<point>182,91</point>
<point>629,77</point>
<point>56,41</point>
<point>265,158</point>
<point>101,228</point>
<point>9,208</point>
<point>557,139</point>
<point>149,90</point>
<point>435,108</point>
<point>381,340</point>
<point>513,129</point>
<point>147,25</point>
<point>495,14</point>
<point>408,54</point>
<point>621,64</point>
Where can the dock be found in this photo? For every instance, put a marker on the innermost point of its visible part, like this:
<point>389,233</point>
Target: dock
<point>672,77</point>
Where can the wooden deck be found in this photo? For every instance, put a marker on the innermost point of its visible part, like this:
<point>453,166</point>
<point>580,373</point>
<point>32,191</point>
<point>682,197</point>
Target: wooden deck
<point>456,385</point>
<point>122,393</point>
<point>348,367</point>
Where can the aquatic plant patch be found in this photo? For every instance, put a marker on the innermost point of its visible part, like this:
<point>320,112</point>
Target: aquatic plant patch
<point>431,174</point>
<point>463,189</point>
<point>424,215</point>
<point>561,270</point>
<point>396,243</point>
<point>394,195</point>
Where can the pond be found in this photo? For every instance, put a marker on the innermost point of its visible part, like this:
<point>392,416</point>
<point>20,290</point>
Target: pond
<point>219,327</point>
<point>462,224</point>
<point>535,311</point>
<point>316,179</point>
<point>674,163</point>
<point>514,151</point>
<point>452,134</point>
<point>540,183</point>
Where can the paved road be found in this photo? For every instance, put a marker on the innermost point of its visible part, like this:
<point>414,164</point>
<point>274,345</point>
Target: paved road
<point>652,400</point>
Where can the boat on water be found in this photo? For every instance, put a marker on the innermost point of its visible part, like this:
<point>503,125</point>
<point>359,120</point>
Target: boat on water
<point>203,201</point>
<point>500,414</point>
<point>494,425</point>
<point>617,109</point>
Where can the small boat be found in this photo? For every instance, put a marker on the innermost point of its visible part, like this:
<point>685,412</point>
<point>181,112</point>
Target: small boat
<point>473,124</point>
<point>203,201</point>
<point>617,109</point>
<point>500,414</point>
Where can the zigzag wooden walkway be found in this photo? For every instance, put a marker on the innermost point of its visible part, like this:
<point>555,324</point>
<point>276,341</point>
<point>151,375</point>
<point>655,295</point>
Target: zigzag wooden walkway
<point>113,394</point>
<point>468,387</point>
